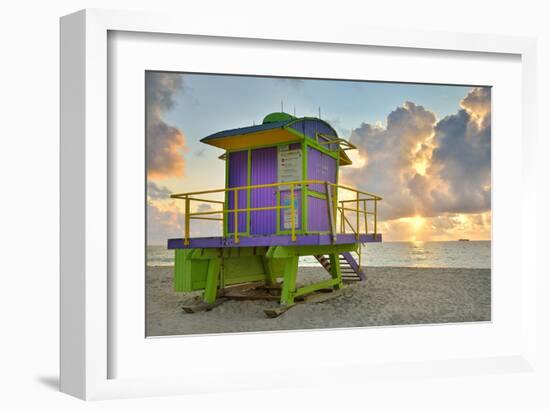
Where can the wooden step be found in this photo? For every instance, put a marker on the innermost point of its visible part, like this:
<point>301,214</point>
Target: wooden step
<point>324,261</point>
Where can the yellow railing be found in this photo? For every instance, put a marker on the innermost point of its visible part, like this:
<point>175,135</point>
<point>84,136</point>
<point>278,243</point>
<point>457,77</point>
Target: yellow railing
<point>331,195</point>
<point>358,211</point>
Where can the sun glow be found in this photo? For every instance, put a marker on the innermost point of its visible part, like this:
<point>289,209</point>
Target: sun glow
<point>417,223</point>
<point>415,227</point>
<point>419,228</point>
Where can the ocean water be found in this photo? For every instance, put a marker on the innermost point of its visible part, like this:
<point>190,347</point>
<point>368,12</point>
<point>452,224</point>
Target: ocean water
<point>440,254</point>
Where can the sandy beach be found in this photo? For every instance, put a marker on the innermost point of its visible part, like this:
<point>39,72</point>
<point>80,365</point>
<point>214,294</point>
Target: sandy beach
<point>390,296</point>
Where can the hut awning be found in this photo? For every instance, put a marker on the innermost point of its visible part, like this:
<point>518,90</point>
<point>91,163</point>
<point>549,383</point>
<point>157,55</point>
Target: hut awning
<point>344,158</point>
<point>275,131</point>
<point>253,136</point>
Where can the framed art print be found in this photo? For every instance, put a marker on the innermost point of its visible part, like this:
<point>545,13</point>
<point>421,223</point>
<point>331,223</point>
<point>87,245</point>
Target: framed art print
<point>279,213</point>
<point>236,195</point>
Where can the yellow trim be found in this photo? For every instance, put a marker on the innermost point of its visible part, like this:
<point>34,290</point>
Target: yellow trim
<point>344,159</point>
<point>344,145</point>
<point>252,140</point>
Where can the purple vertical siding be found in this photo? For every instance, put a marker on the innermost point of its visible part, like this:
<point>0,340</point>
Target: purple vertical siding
<point>264,171</point>
<point>285,195</point>
<point>238,176</point>
<point>320,167</point>
<point>310,127</point>
<point>317,212</point>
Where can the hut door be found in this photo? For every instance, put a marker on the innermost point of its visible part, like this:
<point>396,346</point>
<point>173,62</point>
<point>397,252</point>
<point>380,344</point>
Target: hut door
<point>263,171</point>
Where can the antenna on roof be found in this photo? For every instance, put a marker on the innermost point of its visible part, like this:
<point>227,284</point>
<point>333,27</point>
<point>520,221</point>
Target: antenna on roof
<point>282,110</point>
<point>294,111</point>
<point>319,112</point>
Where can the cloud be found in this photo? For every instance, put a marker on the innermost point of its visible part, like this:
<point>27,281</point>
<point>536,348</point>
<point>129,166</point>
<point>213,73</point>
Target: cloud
<point>155,191</point>
<point>164,220</point>
<point>478,103</point>
<point>462,160</point>
<point>390,154</point>
<point>422,166</point>
<point>164,142</point>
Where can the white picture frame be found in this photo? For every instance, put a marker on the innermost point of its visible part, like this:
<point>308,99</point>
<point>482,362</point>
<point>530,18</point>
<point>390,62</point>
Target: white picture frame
<point>85,224</point>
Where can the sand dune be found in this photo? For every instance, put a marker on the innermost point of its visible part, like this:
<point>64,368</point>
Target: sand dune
<point>390,296</point>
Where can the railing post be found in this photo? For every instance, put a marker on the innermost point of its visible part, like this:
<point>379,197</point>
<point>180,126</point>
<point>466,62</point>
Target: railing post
<point>357,215</point>
<point>335,204</point>
<point>342,221</point>
<point>375,217</point>
<point>293,232</point>
<point>187,218</point>
<point>247,220</point>
<point>236,215</point>
<point>365,214</point>
<point>225,222</point>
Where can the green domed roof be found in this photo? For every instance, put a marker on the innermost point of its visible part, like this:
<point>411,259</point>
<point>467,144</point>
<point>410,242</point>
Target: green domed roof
<point>278,117</point>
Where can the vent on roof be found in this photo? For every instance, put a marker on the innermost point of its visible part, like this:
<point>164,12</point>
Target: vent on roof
<point>277,117</point>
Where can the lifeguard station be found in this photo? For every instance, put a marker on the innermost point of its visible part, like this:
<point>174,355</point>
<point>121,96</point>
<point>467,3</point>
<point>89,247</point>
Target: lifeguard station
<point>281,200</point>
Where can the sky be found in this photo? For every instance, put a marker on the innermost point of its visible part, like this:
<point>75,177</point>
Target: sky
<point>426,149</point>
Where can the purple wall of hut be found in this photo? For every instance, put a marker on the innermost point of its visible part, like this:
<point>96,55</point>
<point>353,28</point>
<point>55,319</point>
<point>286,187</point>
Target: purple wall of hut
<point>317,215</point>
<point>264,171</point>
<point>320,167</point>
<point>238,176</point>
